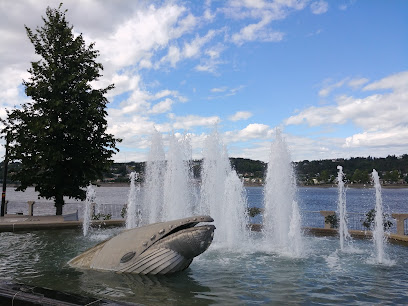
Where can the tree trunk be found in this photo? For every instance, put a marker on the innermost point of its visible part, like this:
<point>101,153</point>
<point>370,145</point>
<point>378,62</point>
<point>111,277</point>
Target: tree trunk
<point>59,202</point>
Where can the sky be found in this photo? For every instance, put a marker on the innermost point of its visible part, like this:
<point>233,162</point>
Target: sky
<point>331,75</point>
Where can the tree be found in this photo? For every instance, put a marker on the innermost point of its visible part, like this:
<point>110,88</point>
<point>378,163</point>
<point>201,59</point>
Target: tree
<point>357,176</point>
<point>324,176</point>
<point>59,137</point>
<point>392,176</point>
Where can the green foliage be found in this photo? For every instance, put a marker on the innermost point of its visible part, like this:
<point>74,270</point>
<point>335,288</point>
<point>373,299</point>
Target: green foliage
<point>333,220</point>
<point>254,211</point>
<point>123,211</point>
<point>244,165</point>
<point>357,169</point>
<point>102,217</point>
<point>392,176</point>
<point>59,137</point>
<point>360,177</point>
<point>368,222</point>
<point>324,176</point>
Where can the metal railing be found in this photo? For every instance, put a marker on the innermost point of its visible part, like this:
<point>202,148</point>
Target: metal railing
<point>46,208</point>
<point>355,221</point>
<point>312,219</point>
<point>114,211</point>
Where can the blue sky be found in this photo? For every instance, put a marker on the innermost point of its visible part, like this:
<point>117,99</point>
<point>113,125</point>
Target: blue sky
<point>333,75</point>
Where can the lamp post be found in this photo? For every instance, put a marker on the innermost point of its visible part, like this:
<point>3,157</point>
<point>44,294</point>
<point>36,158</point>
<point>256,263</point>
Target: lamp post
<point>3,194</point>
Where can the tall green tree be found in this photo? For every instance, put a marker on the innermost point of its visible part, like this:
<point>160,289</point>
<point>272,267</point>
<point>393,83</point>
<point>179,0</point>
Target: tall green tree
<point>60,136</point>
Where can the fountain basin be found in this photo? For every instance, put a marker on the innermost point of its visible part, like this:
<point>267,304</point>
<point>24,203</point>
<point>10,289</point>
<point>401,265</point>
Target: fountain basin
<point>254,274</point>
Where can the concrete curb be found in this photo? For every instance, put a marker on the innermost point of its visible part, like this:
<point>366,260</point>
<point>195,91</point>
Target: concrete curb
<point>14,223</point>
<point>11,223</point>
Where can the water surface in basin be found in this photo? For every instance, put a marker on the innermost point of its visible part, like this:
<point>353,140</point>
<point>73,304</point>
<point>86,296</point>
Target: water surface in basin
<point>252,274</point>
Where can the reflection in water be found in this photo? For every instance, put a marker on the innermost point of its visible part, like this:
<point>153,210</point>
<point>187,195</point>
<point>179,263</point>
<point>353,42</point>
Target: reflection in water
<point>150,290</point>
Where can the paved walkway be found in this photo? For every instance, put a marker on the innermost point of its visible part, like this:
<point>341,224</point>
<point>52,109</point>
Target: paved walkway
<point>12,223</point>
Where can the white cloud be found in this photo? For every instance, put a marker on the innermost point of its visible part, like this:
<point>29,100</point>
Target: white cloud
<point>240,9</point>
<point>328,88</point>
<point>162,107</point>
<point>9,87</point>
<point>208,65</point>
<point>214,52</point>
<point>144,103</point>
<point>138,35</point>
<point>129,127</point>
<point>385,138</point>
<point>357,83</point>
<point>190,49</point>
<point>381,116</point>
<point>187,122</point>
<point>240,116</point>
<point>253,131</point>
<point>345,6</point>
<point>219,89</point>
<point>372,112</point>
<point>225,91</point>
<point>397,82</point>
<point>265,12</point>
<point>257,32</point>
<point>173,56</point>
<point>148,30</point>
<point>193,48</point>
<point>319,7</point>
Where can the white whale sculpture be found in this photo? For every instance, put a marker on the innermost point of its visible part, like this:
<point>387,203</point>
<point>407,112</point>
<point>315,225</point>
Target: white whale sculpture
<point>158,248</point>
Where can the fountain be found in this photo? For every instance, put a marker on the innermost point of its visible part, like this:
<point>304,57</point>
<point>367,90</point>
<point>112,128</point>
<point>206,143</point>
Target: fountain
<point>169,192</point>
<point>341,208</point>
<point>235,269</point>
<point>88,211</point>
<point>378,231</point>
<point>222,194</point>
<point>154,181</point>
<point>281,220</point>
<point>167,186</point>
<point>133,213</point>
<point>177,201</point>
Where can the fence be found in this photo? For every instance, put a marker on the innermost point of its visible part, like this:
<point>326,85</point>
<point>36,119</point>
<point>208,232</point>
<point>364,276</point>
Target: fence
<point>355,221</point>
<point>309,218</point>
<point>46,208</point>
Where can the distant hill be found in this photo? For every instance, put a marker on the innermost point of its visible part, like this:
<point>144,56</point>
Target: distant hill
<point>392,169</point>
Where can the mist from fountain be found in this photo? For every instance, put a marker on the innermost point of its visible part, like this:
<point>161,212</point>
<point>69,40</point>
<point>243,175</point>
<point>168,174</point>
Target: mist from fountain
<point>281,218</point>
<point>341,209</point>
<point>90,199</point>
<point>295,232</point>
<point>154,180</point>
<point>177,202</point>
<point>222,194</point>
<point>378,231</point>
<point>133,212</point>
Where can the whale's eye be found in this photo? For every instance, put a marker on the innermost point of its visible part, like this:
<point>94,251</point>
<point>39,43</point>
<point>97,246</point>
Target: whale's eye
<point>127,257</point>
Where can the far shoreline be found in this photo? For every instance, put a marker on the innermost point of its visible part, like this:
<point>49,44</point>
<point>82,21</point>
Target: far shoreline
<point>247,184</point>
